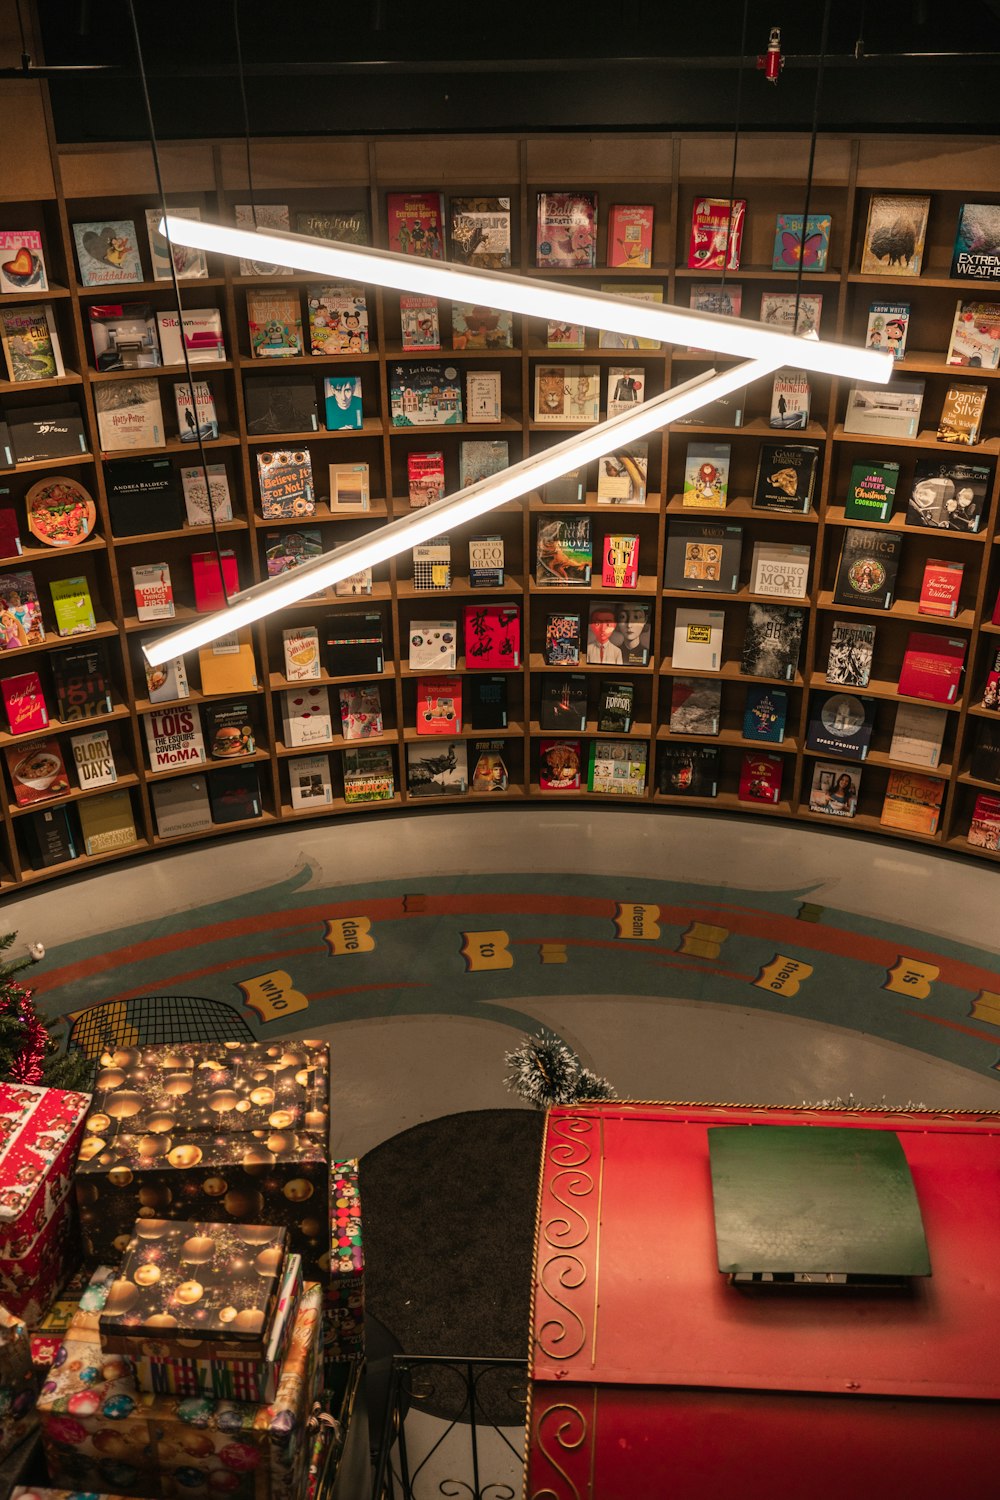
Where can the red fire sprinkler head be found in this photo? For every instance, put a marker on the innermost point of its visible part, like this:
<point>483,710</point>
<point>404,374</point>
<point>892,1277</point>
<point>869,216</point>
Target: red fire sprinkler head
<point>771,62</point>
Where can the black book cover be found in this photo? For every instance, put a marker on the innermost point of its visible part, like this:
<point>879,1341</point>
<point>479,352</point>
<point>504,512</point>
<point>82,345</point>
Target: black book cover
<point>485,700</point>
<point>6,451</point>
<point>229,730</point>
<point>703,556</point>
<point>563,704</point>
<point>614,707</point>
<point>986,752</point>
<point>688,770</point>
<point>82,683</point>
<point>772,641</point>
<point>786,477</point>
<point>40,432</point>
<point>948,496</point>
<point>867,571</point>
<point>281,403</point>
<point>840,724</point>
<point>354,643</point>
<point>143,496</point>
<point>50,837</point>
<point>724,411</point>
<point>234,793</point>
<point>568,489</point>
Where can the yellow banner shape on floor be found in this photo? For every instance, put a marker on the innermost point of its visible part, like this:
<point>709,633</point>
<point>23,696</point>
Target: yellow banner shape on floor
<point>486,950</point>
<point>633,920</point>
<point>703,941</point>
<point>348,935</point>
<point>552,953</point>
<point>986,1007</point>
<point>273,995</point>
<point>910,976</point>
<point>782,976</point>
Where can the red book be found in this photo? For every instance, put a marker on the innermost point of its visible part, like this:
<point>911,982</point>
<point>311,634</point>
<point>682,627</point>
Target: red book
<point>25,703</point>
<point>932,667</point>
<point>416,224</point>
<point>715,241</point>
<point>630,235</point>
<point>425,472</point>
<point>10,536</point>
<point>940,589</point>
<point>620,562</point>
<point>208,593</point>
<point>760,777</point>
<point>37,772</point>
<point>439,705</point>
<point>492,637</point>
<point>559,765</point>
<point>995,619</point>
<point>984,831</point>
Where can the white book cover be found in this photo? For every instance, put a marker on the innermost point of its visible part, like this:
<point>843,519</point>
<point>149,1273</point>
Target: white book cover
<point>350,487</point>
<point>195,419</point>
<point>22,261</point>
<point>309,781</point>
<point>202,334</point>
<point>306,716</point>
<point>129,415</point>
<point>790,400</point>
<point>432,564</point>
<point>94,759</point>
<point>301,648</point>
<point>196,494</point>
<point>698,639</point>
<point>174,739</point>
<point>885,410</point>
<point>433,645</point>
<point>154,594</point>
<point>168,682</point>
<point>181,806</point>
<point>780,570</point>
<point>917,735</point>
<point>263,216</point>
<point>626,389</point>
<point>482,395</point>
<point>189,264</point>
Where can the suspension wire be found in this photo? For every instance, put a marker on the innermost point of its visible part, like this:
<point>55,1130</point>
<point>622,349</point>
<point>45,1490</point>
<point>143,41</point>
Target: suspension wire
<point>246,111</point>
<point>736,138</point>
<point>812,160</point>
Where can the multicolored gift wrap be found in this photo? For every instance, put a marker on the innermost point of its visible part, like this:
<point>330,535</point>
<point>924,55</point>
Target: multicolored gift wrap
<point>18,1383</point>
<point>231,1132</point>
<point>344,1295</point>
<point>192,1374</point>
<point>99,1432</point>
<point>40,1134</point>
<point>50,1330</point>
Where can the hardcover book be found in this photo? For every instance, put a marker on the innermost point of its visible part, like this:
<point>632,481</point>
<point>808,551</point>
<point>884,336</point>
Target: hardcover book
<point>202,500</point>
<point>566,230</point>
<point>143,496</point>
<point>354,644</point>
<point>94,759</point>
<point>985,762</point>
<point>695,706</point>
<point>786,477</point>
<point>615,705</point>
<point>480,458</point>
<point>181,806</point>
<point>432,563</point>
<point>129,415</point>
<point>196,419</point>
<point>569,489</point>
<point>787,312</point>
<point>620,562</point>
<point>486,561</point>
<point>765,711</point>
<point>793,248</point>
<point>568,394</point>
<point>416,224</point>
<point>262,216</point>
<point>106,822</point>
<point>885,410</point>
<point>73,607</point>
<point>712,297</point>
<point>437,770</point>
<point>174,739</point>
<point>912,802</point>
<point>281,403</point>
<point>60,513</point>
<point>565,336</point>
<point>760,777</point>
<point>866,574</point>
<point>772,641</point>
<point>433,645</point>
<point>698,640</point>
<point>309,782</point>
<point>349,225</point>
<point>338,319</point>
<point>687,770</point>
<point>124,335</point>
<point>439,706</point>
<point>621,476</point>
<point>30,344</point>
<point>20,612</point>
<point>716,234</point>
<point>166,683</point>
<point>562,706</point>
<point>790,400</point>
<point>43,432</point>
<point>780,569</point>
<point>602,649</point>
<point>932,667</point>
<point>490,771</point>
<point>486,701</point>
<point>562,640</point>
<point>706,475</point>
<point>234,794</point>
<point>37,773</point>
<point>368,774</point>
<point>425,395</point>
<point>51,838</point>
<point>202,336</point>
<point>940,588</point>
<point>975,336</point>
<point>630,235</point>
<point>834,791</point>
<point>871,491</point>
<point>724,411</point>
<point>154,594</point>
<point>169,260</point>
<point>852,646</point>
<point>894,235</point>
<point>285,477</point>
<point>342,403</point>
<point>962,415</point>
<point>482,396</point>
<point>492,637</point>
<point>563,553</point>
<point>984,827</point>
<point>22,261</point>
<point>82,684</point>
<point>559,765</point>
<point>626,389</point>
<point>350,487</point>
<point>10,536</point>
<point>480,232</point>
<point>227,664</point>
<point>418,322</point>
<point>361,711</point>
<point>948,496</point>
<point>107,252</point>
<point>24,702</point>
<point>305,716</point>
<point>274,319</point>
<point>703,556</point>
<point>609,338</point>
<point>425,475</point>
<point>478,327</point>
<point>977,242</point>
<point>841,724</point>
<point>617,768</point>
<point>888,323</point>
<point>918,735</point>
<point>229,727</point>
<point>633,630</point>
<point>211,586</point>
<point>300,647</point>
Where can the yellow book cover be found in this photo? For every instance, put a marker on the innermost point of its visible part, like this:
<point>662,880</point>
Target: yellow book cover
<point>912,802</point>
<point>107,822</point>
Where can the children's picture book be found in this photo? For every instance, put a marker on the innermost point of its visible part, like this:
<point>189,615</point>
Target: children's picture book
<point>617,768</point>
<point>479,458</point>
<point>568,394</point>
<point>866,574</point>
<point>416,224</point>
<point>888,324</point>
<point>350,487</point>
<point>622,476</point>
<point>706,476</point>
<point>262,216</point>
<point>778,310</point>
<point>425,475</point>
<point>772,641</point>
<point>894,235</point>
<point>30,344</point>
<point>286,483</point>
<point>275,323</point>
<point>760,777</point>
<point>834,790</point>
<point>620,561</point>
<point>948,496</point>
<point>564,552</point>
<point>418,322</point>
<point>792,248</point>
<point>962,415</point>
<point>343,403</point>
<point>566,234</point>
<point>630,235</point>
<point>610,338</point>
<point>107,252</point>
<point>480,232</point>
<point>975,336</point>
<point>871,491</point>
<point>841,724</point>
<point>22,261</point>
<point>338,319</point>
<point>765,712</point>
<point>438,769</point>
<point>196,419</point>
<point>562,640</point>
<point>885,410</point>
<point>695,706</point>
<point>425,395</point>
<point>626,388</point>
<point>168,260</point>
<point>201,499</point>
<point>852,647</point>
<point>479,327</point>
<point>716,234</point>
<point>565,336</point>
<point>977,242</point>
<point>790,400</point>
<point>129,415</point>
<point>482,396</point>
<point>20,612</point>
<point>559,765</point>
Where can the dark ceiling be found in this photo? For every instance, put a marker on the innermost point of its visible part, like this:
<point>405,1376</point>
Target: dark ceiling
<point>398,65</point>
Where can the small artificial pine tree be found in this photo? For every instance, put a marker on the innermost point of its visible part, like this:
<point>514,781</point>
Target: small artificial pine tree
<point>27,1053</point>
<point>546,1072</point>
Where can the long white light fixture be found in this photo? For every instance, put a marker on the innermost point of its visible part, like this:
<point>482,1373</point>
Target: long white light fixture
<point>465,505</point>
<point>532,297</point>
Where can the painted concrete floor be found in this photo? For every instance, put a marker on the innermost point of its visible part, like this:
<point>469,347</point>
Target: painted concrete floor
<point>684,957</point>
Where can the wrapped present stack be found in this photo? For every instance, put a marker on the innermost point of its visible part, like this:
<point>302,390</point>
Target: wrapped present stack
<point>18,1384</point>
<point>344,1294</point>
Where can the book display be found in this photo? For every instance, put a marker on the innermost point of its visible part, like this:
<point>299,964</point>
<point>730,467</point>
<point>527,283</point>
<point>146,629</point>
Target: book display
<point>844,532</point>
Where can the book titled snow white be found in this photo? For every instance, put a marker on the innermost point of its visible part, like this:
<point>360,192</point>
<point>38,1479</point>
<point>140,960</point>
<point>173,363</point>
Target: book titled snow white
<point>888,324</point>
<point>107,252</point>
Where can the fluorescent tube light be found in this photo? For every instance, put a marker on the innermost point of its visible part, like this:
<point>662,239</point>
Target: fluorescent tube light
<point>465,505</point>
<point>533,297</point>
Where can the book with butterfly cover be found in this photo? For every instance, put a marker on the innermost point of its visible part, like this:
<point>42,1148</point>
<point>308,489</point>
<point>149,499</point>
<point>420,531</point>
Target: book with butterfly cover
<point>792,248</point>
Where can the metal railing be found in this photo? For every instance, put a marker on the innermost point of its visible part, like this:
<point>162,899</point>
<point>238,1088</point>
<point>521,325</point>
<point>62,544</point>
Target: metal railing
<point>453,1428</point>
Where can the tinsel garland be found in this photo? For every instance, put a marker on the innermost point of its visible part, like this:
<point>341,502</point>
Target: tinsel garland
<point>32,1044</point>
<point>546,1072</point>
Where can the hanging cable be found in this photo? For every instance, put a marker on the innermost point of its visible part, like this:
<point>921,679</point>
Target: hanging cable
<point>25,54</point>
<point>812,161</point>
<point>177,298</point>
<point>736,137</point>
<point>246,111</point>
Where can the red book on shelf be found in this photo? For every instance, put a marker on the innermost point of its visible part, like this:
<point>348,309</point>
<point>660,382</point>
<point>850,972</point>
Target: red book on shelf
<point>984,831</point>
<point>208,592</point>
<point>932,667</point>
<point>10,536</point>
<point>940,589</point>
<point>715,240</point>
<point>620,562</point>
<point>25,703</point>
<point>492,637</point>
<point>439,705</point>
<point>760,777</point>
<point>995,617</point>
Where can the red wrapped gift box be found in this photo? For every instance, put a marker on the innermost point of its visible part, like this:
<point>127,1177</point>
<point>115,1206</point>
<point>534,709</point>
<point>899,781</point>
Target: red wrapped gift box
<point>40,1133</point>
